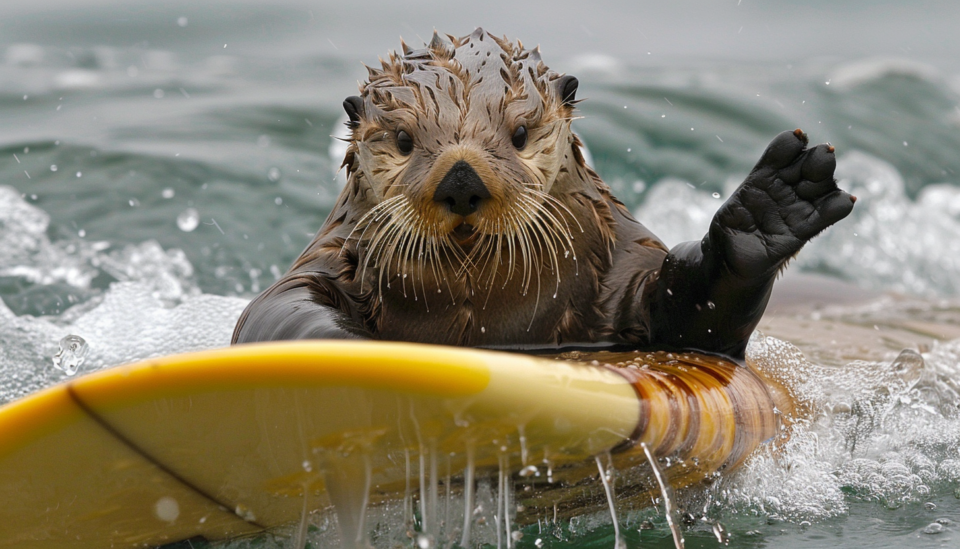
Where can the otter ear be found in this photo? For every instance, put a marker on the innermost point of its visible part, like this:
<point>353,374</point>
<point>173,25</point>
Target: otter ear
<point>354,107</point>
<point>567,89</point>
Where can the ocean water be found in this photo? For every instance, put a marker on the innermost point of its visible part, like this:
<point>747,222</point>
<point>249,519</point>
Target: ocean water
<point>160,165</point>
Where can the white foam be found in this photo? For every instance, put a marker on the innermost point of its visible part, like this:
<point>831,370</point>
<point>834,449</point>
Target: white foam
<point>889,242</point>
<point>154,309</point>
<point>677,212</point>
<point>882,431</point>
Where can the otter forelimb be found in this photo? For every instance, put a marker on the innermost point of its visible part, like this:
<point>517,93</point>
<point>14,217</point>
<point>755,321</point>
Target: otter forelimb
<point>711,294</point>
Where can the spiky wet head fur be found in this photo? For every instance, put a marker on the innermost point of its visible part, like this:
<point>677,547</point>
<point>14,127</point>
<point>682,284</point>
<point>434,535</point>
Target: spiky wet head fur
<point>464,101</point>
<point>469,216</point>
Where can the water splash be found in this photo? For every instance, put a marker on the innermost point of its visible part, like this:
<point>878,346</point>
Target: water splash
<point>73,352</point>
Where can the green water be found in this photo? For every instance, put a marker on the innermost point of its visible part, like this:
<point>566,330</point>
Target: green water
<point>118,118</point>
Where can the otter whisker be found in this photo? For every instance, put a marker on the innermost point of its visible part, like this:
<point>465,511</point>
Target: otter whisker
<point>366,221</point>
<point>525,255</point>
<point>511,249</point>
<point>561,209</point>
<point>547,242</point>
<point>385,238</point>
<point>563,212</point>
<point>421,259</point>
<point>404,253</point>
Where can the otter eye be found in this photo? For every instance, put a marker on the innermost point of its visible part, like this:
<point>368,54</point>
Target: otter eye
<point>404,142</point>
<point>520,137</point>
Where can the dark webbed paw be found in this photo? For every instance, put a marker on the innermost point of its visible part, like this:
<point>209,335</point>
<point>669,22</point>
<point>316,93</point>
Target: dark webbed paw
<point>788,198</point>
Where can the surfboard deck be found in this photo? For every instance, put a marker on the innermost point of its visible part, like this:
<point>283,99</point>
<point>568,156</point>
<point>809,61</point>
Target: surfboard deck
<point>224,443</point>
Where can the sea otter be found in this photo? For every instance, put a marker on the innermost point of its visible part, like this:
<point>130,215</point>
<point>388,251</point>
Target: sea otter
<point>470,218</point>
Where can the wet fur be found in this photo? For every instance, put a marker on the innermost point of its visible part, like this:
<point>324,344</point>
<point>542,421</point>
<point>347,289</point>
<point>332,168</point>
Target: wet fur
<point>557,260</point>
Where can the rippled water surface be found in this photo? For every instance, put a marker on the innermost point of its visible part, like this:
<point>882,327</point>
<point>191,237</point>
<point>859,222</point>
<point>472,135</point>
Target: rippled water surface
<point>159,166</point>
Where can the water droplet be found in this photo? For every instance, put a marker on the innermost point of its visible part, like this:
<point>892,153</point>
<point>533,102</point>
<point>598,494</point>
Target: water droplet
<point>278,201</point>
<point>538,542</point>
<point>930,506</point>
<point>73,349</point>
<point>905,144</point>
<point>307,466</point>
<point>517,535</point>
<point>167,193</point>
<point>81,233</point>
<point>79,174</point>
<point>133,202</point>
<point>245,513</point>
<point>933,528</point>
<point>273,174</point>
<point>158,93</point>
<point>53,167</point>
<point>715,195</point>
<point>166,509</point>
<point>528,470</point>
<point>711,305</point>
<point>188,220</point>
<point>719,532</point>
<point>424,542</point>
<point>182,21</point>
<point>483,329</point>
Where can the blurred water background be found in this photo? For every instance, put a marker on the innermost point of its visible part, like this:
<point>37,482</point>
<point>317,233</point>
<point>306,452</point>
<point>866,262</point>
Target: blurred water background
<point>161,163</point>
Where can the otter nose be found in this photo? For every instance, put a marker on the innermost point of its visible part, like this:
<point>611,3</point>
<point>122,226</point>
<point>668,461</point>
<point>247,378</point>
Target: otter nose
<point>461,189</point>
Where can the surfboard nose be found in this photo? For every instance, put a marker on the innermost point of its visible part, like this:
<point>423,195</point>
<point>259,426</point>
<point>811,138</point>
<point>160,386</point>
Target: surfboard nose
<point>461,189</point>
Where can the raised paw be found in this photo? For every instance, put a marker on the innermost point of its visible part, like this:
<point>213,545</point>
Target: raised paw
<point>788,198</point>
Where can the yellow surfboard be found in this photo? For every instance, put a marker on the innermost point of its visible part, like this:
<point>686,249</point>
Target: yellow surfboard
<point>225,443</point>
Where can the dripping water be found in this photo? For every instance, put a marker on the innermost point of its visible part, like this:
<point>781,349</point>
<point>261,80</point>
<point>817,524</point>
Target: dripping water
<point>424,513</point>
<point>446,501</point>
<point>348,486</point>
<point>498,515</point>
<point>523,446</point>
<point>434,530</point>
<point>665,491</point>
<point>503,502</point>
<point>407,492</point>
<point>300,541</point>
<point>620,543</point>
<point>468,497</point>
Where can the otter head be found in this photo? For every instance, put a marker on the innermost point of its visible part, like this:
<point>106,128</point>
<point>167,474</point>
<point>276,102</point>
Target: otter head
<point>458,146</point>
